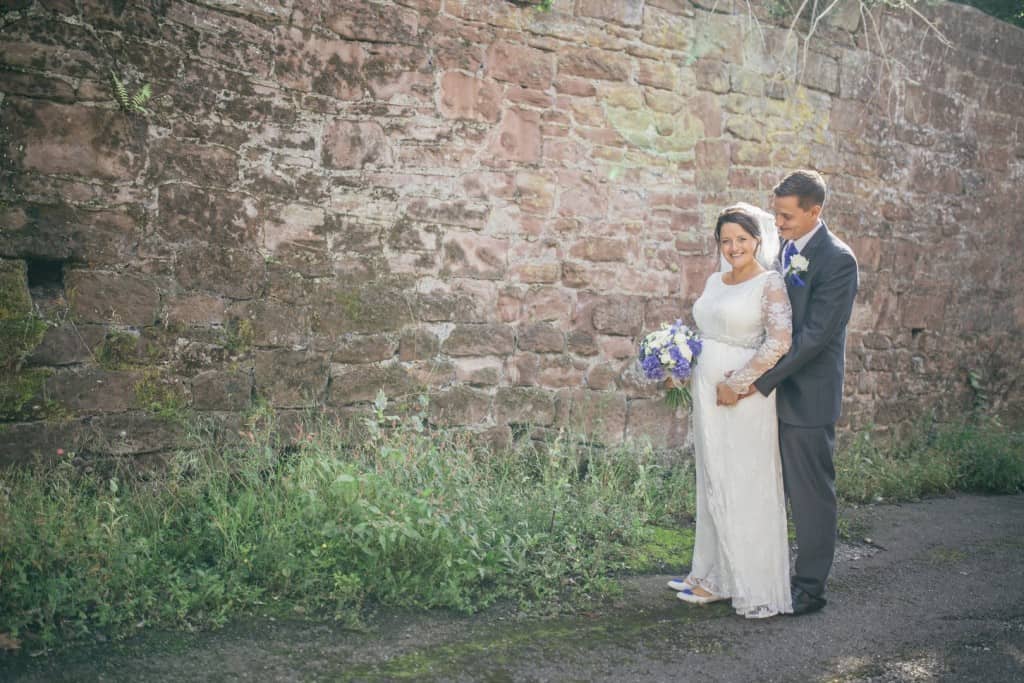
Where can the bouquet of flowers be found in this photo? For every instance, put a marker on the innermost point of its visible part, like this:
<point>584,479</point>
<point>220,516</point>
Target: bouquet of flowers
<point>671,352</point>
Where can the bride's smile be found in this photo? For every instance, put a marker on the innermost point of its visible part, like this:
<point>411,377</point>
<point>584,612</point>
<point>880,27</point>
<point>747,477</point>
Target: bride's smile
<point>739,248</point>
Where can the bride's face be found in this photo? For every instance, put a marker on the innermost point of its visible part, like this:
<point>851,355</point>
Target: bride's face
<point>738,246</point>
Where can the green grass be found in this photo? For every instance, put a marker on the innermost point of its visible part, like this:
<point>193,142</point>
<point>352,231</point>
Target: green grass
<point>981,455</point>
<point>400,516</point>
<point>406,518</point>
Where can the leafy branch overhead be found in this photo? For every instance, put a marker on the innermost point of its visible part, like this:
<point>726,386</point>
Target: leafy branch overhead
<point>132,104</point>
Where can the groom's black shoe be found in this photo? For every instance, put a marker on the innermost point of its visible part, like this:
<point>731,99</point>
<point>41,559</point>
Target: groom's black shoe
<point>805,603</point>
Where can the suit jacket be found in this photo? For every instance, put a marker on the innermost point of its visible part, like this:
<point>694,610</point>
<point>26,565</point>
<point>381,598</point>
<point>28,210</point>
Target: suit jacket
<point>808,380</point>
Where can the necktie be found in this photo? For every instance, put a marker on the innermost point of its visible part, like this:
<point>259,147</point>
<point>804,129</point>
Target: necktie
<point>788,255</point>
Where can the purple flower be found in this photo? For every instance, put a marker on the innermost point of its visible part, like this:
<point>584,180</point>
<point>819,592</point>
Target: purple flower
<point>682,369</point>
<point>652,367</point>
<point>695,346</point>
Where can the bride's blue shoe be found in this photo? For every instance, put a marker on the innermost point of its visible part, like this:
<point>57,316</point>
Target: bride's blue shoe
<point>679,585</point>
<point>689,596</point>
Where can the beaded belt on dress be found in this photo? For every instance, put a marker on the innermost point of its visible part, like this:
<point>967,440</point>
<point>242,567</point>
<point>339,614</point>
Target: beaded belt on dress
<point>745,343</point>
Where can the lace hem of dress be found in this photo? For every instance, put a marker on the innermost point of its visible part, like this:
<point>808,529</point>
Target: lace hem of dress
<point>755,612</point>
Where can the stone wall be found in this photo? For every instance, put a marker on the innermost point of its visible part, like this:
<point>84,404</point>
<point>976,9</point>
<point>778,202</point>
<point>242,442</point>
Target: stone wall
<point>476,200</point>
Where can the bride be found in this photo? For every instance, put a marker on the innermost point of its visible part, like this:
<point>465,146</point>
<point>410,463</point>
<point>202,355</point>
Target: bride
<point>741,551</point>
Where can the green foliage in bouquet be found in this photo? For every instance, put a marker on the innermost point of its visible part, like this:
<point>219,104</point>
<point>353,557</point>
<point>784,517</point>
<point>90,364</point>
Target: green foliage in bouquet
<point>679,397</point>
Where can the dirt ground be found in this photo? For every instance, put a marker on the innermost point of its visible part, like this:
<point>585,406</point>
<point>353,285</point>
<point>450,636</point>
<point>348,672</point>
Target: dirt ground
<point>929,591</point>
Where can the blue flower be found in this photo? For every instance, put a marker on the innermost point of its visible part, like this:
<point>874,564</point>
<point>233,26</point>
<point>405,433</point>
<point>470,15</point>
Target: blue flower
<point>681,370</point>
<point>652,367</point>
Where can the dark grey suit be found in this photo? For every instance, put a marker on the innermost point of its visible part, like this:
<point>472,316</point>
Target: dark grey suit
<point>808,382</point>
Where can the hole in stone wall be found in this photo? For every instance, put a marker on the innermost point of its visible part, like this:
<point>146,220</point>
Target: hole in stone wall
<point>915,332</point>
<point>46,282</point>
<point>45,274</point>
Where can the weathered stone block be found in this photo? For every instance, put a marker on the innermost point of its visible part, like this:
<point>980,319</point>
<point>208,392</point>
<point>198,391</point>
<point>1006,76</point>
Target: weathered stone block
<point>131,433</point>
<point>541,338</point>
<point>600,65</point>
<point>223,219</point>
<point>272,323</point>
<point>467,97</point>
<point>460,405</point>
<point>520,64</point>
<point>582,343</point>
<point>653,420</point>
<point>599,415</point>
<point>475,256</point>
<point>67,344</point>
<point>361,348</point>
<point>180,160</point>
<point>603,376</point>
<point>196,309</point>
<point>355,144</point>
<point>479,371</point>
<point>548,303</point>
<point>399,73</point>
<point>371,22</point>
<point>58,139</point>
<point>479,340</point>
<point>234,273</point>
<point>61,232</point>
<point>104,297</point>
<point>625,12</point>
<point>305,61</point>
<point>290,379</point>
<point>418,344</point>
<point>93,390</point>
<point>618,315</point>
<point>359,383</point>
<point>600,249</point>
<point>662,29</point>
<point>222,390</point>
<point>821,72</point>
<point>375,306</point>
<point>524,405</point>
<point>519,136</point>
<point>459,213</point>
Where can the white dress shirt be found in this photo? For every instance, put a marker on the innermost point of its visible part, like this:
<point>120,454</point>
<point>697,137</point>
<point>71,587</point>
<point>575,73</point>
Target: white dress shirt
<point>802,242</point>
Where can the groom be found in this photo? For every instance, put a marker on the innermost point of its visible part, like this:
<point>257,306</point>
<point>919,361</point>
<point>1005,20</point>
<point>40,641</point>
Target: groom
<point>821,278</point>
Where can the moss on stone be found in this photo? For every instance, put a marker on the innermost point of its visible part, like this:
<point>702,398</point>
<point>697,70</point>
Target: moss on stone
<point>238,336</point>
<point>117,350</point>
<point>22,396</point>
<point>20,329</point>
<point>160,396</point>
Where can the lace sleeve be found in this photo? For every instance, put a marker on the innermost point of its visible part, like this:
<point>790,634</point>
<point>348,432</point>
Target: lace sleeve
<point>777,317</point>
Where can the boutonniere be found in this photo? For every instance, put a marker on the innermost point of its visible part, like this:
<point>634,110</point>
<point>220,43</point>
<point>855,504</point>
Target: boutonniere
<point>798,265</point>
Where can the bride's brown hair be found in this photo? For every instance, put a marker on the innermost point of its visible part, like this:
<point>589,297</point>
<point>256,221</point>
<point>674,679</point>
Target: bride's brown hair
<point>734,214</point>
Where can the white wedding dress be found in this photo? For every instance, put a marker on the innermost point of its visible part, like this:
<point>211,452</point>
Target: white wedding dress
<point>741,549</point>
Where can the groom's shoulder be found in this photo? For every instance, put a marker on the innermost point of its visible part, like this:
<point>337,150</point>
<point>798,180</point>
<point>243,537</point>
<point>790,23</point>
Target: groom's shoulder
<point>839,247</point>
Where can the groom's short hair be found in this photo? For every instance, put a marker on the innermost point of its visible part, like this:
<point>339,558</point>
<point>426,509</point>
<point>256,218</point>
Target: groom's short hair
<point>807,186</point>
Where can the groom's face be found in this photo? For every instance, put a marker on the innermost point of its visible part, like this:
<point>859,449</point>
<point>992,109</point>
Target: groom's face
<point>793,221</point>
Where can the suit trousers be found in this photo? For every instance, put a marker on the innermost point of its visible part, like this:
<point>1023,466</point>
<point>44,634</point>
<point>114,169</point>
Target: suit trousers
<point>810,481</point>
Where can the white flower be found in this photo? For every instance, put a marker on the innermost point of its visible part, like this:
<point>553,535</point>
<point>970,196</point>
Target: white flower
<point>686,353</point>
<point>799,263</point>
<point>666,359</point>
